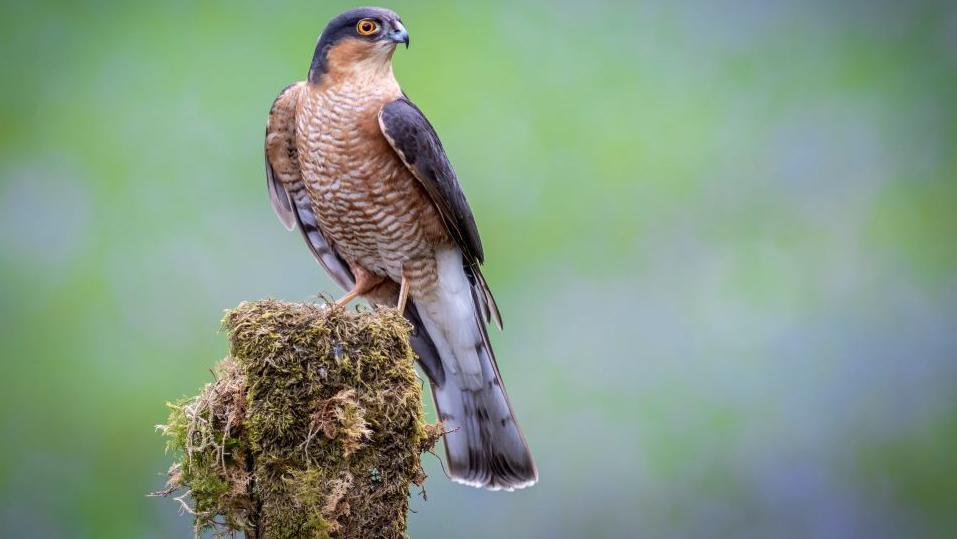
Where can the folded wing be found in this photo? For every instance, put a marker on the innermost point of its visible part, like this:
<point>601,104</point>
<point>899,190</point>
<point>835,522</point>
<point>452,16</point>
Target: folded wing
<point>288,193</point>
<point>415,141</point>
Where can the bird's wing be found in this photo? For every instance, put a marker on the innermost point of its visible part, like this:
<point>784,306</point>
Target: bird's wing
<point>418,146</point>
<point>288,193</point>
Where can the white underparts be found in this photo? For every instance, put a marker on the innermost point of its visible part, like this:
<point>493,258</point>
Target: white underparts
<point>449,317</point>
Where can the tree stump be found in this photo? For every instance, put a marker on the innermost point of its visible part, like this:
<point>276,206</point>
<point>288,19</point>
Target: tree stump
<point>313,426</point>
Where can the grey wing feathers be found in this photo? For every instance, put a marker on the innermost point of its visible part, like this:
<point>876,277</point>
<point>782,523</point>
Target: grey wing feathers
<point>288,193</point>
<point>279,198</point>
<point>415,141</point>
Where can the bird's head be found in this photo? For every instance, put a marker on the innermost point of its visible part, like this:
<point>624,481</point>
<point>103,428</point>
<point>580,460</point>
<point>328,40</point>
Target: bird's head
<point>358,41</point>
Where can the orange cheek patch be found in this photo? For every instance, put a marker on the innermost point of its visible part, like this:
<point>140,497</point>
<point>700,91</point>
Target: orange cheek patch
<point>349,51</point>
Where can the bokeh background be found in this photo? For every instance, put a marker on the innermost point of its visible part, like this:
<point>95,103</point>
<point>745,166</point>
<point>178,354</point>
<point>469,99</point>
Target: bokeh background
<point>723,235</point>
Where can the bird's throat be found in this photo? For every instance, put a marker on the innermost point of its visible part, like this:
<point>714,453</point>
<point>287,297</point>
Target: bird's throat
<point>354,62</point>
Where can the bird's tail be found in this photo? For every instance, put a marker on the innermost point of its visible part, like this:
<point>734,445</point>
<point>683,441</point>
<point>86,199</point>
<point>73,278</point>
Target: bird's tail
<point>484,446</point>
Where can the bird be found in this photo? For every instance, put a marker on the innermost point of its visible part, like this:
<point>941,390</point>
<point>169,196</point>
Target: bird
<point>356,166</point>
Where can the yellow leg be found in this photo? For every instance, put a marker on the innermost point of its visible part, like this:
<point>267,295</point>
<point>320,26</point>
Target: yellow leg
<point>365,281</point>
<point>403,294</point>
<point>353,294</point>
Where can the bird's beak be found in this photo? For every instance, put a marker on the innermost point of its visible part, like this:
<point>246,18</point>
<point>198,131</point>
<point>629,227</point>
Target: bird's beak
<point>399,34</point>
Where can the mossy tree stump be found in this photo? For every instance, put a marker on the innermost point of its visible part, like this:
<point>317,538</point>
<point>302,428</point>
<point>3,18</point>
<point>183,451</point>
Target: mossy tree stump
<point>312,428</point>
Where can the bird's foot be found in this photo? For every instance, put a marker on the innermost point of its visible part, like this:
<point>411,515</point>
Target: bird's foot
<point>365,281</point>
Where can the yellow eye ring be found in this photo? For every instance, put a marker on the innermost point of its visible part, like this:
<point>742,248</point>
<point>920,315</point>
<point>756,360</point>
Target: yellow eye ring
<point>367,27</point>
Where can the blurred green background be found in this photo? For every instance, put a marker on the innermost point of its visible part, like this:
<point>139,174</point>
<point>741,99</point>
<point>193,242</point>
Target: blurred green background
<point>723,235</point>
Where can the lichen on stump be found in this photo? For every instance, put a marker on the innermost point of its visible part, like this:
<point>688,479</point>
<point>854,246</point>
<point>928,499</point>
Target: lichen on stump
<point>313,426</point>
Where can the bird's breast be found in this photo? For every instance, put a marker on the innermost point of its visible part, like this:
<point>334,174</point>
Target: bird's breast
<point>367,202</point>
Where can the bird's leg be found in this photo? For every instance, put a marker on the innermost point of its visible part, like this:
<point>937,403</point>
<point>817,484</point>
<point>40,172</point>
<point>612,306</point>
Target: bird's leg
<point>403,294</point>
<point>365,281</point>
<point>353,294</point>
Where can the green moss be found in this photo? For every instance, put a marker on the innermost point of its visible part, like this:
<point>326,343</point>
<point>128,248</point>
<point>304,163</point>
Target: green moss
<point>313,427</point>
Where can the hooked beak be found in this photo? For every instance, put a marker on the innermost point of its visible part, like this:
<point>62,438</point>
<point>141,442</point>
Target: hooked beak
<point>399,34</point>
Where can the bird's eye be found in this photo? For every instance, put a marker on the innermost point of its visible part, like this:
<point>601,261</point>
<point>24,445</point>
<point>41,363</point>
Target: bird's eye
<point>367,27</point>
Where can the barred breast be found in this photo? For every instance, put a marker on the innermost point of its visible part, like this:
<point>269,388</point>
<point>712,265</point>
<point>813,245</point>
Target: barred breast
<point>374,211</point>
